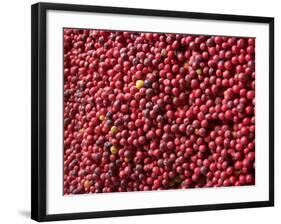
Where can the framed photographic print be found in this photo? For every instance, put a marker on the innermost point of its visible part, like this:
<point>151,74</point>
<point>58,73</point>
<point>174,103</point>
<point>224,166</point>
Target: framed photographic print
<point>139,111</point>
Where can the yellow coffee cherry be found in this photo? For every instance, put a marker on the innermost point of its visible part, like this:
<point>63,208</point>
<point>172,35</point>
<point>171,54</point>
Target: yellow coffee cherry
<point>101,117</point>
<point>114,130</point>
<point>186,66</point>
<point>113,150</point>
<point>88,183</point>
<point>139,84</point>
<point>199,71</point>
<point>127,159</point>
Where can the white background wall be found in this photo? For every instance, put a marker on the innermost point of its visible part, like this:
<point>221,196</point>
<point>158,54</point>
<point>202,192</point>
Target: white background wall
<point>15,110</point>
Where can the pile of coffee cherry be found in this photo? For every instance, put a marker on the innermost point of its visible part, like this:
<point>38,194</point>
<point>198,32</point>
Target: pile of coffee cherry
<point>154,111</point>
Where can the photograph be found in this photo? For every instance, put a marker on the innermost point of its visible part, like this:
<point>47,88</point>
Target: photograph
<point>157,111</point>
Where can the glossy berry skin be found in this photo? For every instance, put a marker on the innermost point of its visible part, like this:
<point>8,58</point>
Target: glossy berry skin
<point>154,111</point>
<point>139,84</point>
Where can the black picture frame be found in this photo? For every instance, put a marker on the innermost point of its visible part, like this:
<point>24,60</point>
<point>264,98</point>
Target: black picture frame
<point>38,110</point>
